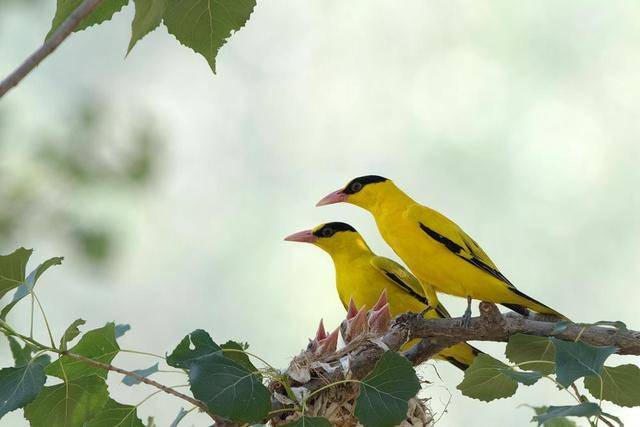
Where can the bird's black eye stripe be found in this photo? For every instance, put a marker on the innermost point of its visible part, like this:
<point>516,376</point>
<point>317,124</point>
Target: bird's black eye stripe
<point>332,228</point>
<point>358,183</point>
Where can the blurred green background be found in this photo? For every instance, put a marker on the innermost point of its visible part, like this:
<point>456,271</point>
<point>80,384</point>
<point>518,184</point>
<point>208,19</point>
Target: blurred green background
<point>169,190</point>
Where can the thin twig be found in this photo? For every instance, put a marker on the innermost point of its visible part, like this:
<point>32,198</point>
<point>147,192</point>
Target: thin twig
<point>147,381</point>
<point>49,45</point>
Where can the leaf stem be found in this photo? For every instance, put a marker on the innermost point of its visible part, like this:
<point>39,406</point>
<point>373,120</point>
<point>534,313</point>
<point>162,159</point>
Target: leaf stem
<point>560,386</point>
<point>533,361</point>
<point>279,411</point>
<point>170,371</point>
<point>234,350</point>
<point>148,397</point>
<point>32,311</point>
<point>143,353</point>
<point>46,322</point>
<point>161,387</point>
<point>8,330</point>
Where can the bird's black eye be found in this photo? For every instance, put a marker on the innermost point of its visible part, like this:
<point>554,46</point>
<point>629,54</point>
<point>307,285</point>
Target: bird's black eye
<point>327,232</point>
<point>356,186</point>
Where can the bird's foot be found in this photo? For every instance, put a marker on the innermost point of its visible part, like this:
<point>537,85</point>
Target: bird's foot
<point>466,317</point>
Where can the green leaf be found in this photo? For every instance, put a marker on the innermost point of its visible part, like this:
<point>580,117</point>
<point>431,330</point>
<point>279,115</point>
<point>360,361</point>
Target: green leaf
<point>577,359</point>
<point>70,334</point>
<point>554,422</point>
<point>620,385</point>
<point>228,389</point>
<point>29,283</point>
<point>116,414</point>
<point>309,422</point>
<point>183,355</point>
<point>587,409</point>
<point>121,330</point>
<point>205,25</point>
<point>130,381</point>
<point>103,12</point>
<point>98,344</point>
<point>486,380</point>
<point>148,16</point>
<point>68,404</point>
<point>179,417</point>
<point>386,391</point>
<point>238,355</point>
<point>21,355</point>
<point>523,377</point>
<point>20,386</point>
<point>523,349</point>
<point>12,269</point>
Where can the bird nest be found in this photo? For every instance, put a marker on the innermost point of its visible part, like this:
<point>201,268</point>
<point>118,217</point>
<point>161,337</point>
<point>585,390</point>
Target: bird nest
<point>322,363</point>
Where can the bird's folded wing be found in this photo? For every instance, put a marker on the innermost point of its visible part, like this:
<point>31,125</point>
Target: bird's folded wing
<point>399,276</point>
<point>446,232</point>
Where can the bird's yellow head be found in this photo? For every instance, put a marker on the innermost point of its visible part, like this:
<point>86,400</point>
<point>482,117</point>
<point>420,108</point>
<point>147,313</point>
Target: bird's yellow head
<point>365,191</point>
<point>336,238</point>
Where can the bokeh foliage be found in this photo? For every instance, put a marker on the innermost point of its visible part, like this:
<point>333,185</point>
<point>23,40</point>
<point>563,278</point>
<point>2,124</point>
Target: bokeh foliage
<point>42,192</point>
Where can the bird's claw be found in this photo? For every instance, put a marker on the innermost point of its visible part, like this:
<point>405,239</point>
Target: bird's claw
<point>465,322</point>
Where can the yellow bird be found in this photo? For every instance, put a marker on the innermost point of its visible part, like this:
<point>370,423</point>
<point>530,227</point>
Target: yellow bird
<point>363,276</point>
<point>435,249</point>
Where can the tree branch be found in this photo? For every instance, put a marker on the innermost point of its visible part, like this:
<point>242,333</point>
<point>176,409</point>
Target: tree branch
<point>438,334</point>
<point>218,421</point>
<point>493,326</point>
<point>49,45</point>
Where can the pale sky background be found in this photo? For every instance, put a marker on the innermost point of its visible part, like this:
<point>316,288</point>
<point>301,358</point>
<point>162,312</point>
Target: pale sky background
<point>519,120</point>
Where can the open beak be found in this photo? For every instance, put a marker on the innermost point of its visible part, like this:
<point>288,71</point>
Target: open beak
<point>302,236</point>
<point>331,198</point>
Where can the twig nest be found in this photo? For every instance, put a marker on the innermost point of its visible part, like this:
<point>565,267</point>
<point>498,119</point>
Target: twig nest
<point>323,362</point>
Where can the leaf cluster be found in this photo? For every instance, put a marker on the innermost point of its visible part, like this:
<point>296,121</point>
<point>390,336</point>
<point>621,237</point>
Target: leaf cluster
<point>226,384</point>
<point>564,363</point>
<point>80,397</point>
<point>221,377</point>
<point>201,25</point>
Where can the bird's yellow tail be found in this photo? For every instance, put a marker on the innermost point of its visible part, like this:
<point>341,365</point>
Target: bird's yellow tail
<point>460,355</point>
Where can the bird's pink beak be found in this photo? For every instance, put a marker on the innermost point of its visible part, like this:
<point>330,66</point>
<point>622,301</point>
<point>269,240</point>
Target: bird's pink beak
<point>302,236</point>
<point>331,198</point>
